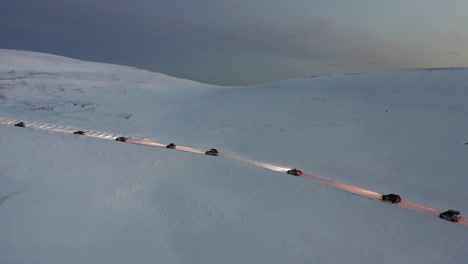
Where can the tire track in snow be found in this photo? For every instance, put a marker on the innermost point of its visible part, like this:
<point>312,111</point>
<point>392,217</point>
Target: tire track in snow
<point>149,143</point>
<point>258,164</point>
<point>336,185</point>
<point>58,128</point>
<point>146,143</point>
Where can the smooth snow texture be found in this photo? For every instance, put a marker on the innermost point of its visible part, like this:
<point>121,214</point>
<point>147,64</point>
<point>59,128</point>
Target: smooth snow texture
<point>72,199</point>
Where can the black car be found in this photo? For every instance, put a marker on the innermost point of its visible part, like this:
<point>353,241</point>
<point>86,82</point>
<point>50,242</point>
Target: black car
<point>21,124</point>
<point>450,215</point>
<point>171,146</point>
<point>295,172</point>
<point>212,152</point>
<point>122,139</point>
<point>393,198</point>
<point>79,132</point>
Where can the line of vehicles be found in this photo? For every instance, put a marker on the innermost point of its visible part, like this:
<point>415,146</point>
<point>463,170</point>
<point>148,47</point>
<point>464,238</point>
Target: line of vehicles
<point>449,215</point>
<point>211,152</point>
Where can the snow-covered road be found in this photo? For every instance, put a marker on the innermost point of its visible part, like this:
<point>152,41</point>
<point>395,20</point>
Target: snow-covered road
<point>337,185</point>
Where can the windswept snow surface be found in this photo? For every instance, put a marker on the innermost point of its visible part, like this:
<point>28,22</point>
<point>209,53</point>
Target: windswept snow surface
<point>67,198</point>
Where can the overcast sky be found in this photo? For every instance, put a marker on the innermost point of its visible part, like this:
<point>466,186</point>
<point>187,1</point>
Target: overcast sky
<point>235,42</point>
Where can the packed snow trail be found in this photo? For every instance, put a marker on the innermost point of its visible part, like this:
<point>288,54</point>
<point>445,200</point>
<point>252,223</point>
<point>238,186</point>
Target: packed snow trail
<point>337,185</point>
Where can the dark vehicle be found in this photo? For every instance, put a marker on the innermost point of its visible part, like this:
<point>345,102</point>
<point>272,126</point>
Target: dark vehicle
<point>212,152</point>
<point>393,198</point>
<point>295,172</point>
<point>171,146</point>
<point>79,133</point>
<point>122,139</point>
<point>451,215</point>
<point>21,124</point>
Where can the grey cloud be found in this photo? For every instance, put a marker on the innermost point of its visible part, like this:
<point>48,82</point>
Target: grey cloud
<point>227,42</point>
<point>117,22</point>
<point>171,36</point>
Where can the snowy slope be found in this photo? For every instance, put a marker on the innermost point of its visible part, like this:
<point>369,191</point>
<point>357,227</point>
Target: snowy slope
<point>87,200</point>
<point>66,198</point>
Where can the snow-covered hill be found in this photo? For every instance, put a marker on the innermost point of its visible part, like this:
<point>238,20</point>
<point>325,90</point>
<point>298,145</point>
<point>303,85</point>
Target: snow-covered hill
<point>71,199</point>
